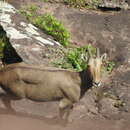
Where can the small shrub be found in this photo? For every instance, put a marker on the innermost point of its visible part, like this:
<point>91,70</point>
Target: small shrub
<point>32,8</point>
<point>77,57</point>
<point>76,3</point>
<point>74,58</point>
<point>109,66</point>
<point>2,44</point>
<point>119,103</point>
<point>82,3</point>
<point>48,23</point>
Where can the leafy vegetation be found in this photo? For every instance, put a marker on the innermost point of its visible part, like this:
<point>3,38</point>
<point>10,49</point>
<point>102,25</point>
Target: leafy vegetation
<point>2,42</point>
<point>70,58</point>
<point>48,23</point>
<point>77,57</point>
<point>79,3</point>
<point>110,65</point>
<point>74,58</point>
<point>76,3</point>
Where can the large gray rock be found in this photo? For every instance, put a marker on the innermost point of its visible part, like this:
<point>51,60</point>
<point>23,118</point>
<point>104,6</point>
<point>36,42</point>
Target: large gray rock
<point>114,4</point>
<point>27,40</point>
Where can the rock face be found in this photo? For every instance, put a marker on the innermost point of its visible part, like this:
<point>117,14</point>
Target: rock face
<point>27,40</point>
<point>114,4</point>
<point>107,30</point>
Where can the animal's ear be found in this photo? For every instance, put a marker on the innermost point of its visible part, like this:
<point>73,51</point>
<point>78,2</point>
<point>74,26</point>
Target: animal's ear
<point>104,57</point>
<point>89,53</point>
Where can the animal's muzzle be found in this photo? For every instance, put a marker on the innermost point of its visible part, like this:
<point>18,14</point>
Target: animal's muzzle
<point>97,84</point>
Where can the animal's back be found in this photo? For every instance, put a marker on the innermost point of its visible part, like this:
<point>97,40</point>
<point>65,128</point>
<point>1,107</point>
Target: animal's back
<point>42,84</point>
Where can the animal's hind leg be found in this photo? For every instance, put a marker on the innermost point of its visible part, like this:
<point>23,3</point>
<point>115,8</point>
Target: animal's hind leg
<point>65,108</point>
<point>16,93</point>
<point>6,99</point>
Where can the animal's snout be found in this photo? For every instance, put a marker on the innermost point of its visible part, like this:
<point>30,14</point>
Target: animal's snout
<point>97,84</point>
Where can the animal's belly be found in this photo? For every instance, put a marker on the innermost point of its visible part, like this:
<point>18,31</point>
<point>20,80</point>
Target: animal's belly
<point>43,94</point>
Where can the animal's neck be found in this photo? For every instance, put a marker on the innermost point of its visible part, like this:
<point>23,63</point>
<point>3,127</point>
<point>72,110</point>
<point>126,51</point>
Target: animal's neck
<point>86,80</point>
<point>86,75</point>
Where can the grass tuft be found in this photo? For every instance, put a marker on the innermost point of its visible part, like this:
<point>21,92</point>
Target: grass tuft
<point>48,23</point>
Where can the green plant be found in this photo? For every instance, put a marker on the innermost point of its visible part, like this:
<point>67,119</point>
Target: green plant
<point>93,4</point>
<point>77,57</point>
<point>74,58</point>
<point>2,45</point>
<point>3,42</point>
<point>76,3</point>
<point>48,23</point>
<point>31,8</point>
<point>109,66</point>
<point>119,103</point>
<point>29,11</point>
<point>83,3</point>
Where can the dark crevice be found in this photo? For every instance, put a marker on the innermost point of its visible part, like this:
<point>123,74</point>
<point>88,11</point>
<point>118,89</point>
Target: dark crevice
<point>109,9</point>
<point>9,53</point>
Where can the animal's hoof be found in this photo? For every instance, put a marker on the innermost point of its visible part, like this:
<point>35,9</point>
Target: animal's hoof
<point>70,120</point>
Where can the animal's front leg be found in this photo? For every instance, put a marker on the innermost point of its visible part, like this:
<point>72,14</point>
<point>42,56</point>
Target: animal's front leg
<point>65,108</point>
<point>6,99</point>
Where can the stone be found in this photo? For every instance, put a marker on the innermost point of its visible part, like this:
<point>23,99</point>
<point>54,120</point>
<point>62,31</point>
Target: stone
<point>28,41</point>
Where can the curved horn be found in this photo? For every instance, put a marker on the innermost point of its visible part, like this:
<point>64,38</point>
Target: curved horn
<point>89,52</point>
<point>98,53</point>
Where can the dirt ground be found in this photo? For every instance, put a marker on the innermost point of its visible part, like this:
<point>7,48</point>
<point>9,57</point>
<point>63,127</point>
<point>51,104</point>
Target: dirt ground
<point>30,115</point>
<point>22,120</point>
<point>11,122</point>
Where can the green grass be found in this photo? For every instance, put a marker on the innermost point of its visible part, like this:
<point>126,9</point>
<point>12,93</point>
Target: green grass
<point>93,4</point>
<point>74,58</point>
<point>48,23</point>
<point>3,42</point>
<point>51,26</point>
<point>76,3</point>
<point>110,65</point>
<point>70,58</point>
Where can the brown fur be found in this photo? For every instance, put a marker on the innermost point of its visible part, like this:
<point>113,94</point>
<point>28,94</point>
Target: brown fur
<point>47,84</point>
